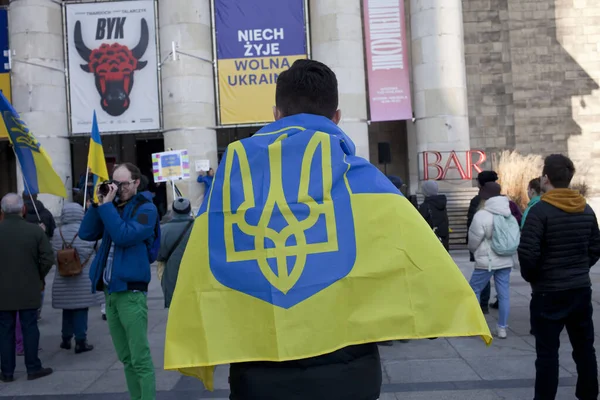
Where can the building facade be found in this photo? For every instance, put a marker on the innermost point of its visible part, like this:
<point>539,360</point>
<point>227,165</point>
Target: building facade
<point>485,76</point>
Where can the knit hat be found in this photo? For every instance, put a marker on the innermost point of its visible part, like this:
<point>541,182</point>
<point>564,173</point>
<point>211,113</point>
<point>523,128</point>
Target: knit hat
<point>182,206</point>
<point>489,190</point>
<point>396,181</point>
<point>430,188</point>
<point>487,176</point>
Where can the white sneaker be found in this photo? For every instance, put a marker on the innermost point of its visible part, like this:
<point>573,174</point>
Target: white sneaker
<point>501,333</point>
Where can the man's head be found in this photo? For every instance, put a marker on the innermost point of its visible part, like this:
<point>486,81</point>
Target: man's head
<point>534,188</point>
<point>485,177</point>
<point>182,206</point>
<point>128,175</point>
<point>557,173</point>
<point>308,87</point>
<point>12,204</point>
<point>490,189</point>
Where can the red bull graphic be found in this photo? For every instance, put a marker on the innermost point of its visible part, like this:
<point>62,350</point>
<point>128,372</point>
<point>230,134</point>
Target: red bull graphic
<point>113,66</point>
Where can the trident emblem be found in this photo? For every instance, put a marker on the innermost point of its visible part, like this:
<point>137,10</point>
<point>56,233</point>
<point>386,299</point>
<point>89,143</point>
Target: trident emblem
<point>285,276</point>
<point>22,135</point>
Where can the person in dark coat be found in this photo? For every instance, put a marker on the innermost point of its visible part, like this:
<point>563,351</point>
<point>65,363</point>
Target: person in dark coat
<point>560,242</point>
<point>26,259</point>
<point>45,218</point>
<point>435,212</point>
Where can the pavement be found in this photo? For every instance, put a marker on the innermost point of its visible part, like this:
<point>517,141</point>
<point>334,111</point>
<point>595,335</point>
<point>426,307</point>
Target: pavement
<point>457,368</point>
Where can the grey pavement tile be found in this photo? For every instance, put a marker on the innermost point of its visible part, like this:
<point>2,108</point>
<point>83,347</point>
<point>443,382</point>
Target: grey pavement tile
<point>564,393</point>
<point>95,360</point>
<point>475,347</point>
<point>513,367</point>
<point>109,382</point>
<point>408,371</point>
<point>448,395</point>
<point>418,350</point>
<point>389,396</point>
<point>60,382</point>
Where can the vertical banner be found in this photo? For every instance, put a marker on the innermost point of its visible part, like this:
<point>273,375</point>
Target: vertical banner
<point>113,67</point>
<point>256,40</point>
<point>387,60</point>
<point>4,64</point>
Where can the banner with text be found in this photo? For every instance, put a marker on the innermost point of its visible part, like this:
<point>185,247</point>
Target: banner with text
<point>387,60</point>
<point>113,68</point>
<point>256,40</point>
<point>4,64</point>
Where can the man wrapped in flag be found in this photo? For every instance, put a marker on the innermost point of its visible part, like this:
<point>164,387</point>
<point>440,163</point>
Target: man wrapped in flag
<point>303,257</point>
<point>38,174</point>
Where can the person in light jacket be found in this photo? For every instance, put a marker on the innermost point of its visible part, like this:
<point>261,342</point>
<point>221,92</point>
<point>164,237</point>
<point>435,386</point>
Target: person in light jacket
<point>73,294</point>
<point>487,262</point>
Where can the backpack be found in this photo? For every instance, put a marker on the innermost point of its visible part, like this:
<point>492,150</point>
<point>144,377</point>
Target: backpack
<point>506,235</point>
<point>67,259</point>
<point>152,243</point>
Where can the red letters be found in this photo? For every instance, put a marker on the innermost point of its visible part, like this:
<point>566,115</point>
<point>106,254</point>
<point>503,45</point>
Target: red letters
<point>452,163</point>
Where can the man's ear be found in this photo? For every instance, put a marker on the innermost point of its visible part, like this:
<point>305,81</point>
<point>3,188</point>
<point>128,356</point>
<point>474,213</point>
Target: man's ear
<point>337,117</point>
<point>276,113</point>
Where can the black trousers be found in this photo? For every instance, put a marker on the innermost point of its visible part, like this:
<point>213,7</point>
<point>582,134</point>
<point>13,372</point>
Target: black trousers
<point>550,313</point>
<point>484,298</point>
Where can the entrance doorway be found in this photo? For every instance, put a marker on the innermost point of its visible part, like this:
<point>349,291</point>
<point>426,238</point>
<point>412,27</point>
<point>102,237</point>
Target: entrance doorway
<point>144,150</point>
<point>8,169</point>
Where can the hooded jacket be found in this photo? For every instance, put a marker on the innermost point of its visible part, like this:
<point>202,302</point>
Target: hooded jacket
<point>131,232</point>
<point>480,235</point>
<point>435,213</point>
<point>45,216</point>
<point>560,242</point>
<point>531,203</point>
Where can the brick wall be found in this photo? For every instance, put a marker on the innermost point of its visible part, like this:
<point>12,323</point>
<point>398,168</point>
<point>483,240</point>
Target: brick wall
<point>532,73</point>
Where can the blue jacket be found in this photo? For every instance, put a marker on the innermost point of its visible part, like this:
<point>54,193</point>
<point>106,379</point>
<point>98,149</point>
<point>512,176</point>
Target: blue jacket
<point>131,234</point>
<point>207,180</point>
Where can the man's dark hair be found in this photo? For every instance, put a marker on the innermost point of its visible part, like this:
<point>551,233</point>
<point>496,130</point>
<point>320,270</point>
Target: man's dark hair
<point>135,171</point>
<point>28,197</point>
<point>535,184</point>
<point>307,87</point>
<point>78,198</point>
<point>486,176</point>
<point>559,169</point>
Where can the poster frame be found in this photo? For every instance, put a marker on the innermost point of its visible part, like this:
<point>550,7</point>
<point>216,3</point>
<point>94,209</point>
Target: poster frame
<point>216,68</point>
<point>67,3</point>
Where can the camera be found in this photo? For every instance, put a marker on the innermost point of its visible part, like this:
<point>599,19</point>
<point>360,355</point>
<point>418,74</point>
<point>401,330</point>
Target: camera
<point>103,189</point>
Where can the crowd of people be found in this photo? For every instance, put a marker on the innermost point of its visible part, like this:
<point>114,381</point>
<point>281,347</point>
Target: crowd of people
<point>104,250</point>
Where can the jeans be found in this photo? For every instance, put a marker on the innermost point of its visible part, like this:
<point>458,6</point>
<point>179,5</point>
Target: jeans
<point>19,337</point>
<point>481,278</point>
<point>484,301</point>
<point>127,316</point>
<point>550,313</point>
<point>75,323</point>
<point>31,341</point>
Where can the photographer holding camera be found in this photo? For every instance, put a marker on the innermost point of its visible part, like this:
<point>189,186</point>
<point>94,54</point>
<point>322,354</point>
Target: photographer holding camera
<point>127,223</point>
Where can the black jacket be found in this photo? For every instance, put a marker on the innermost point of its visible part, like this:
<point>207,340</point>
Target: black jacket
<point>45,216</point>
<point>559,245</point>
<point>435,213</point>
<point>350,373</point>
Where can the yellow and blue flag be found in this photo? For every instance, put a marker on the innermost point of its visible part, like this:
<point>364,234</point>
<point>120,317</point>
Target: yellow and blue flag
<point>300,249</point>
<point>36,165</point>
<point>96,160</point>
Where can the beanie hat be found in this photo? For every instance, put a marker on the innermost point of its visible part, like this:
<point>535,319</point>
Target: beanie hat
<point>396,181</point>
<point>489,190</point>
<point>182,206</point>
<point>487,176</point>
<point>430,188</point>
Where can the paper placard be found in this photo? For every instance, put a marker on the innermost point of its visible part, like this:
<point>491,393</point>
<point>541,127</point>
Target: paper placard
<point>171,166</point>
<point>202,165</point>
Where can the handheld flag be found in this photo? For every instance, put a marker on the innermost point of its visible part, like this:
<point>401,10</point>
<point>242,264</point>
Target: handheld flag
<point>36,165</point>
<point>301,249</point>
<point>96,160</point>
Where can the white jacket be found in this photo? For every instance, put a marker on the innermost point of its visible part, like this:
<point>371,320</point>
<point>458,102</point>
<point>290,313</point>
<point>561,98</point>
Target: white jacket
<point>480,235</point>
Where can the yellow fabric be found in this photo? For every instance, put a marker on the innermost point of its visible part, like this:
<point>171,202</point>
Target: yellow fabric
<point>404,285</point>
<point>568,200</point>
<point>97,165</point>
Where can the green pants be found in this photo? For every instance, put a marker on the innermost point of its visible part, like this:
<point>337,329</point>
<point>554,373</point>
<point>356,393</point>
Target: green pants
<point>127,316</point>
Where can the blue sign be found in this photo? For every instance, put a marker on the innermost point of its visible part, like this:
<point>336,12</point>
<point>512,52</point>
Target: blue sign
<point>4,48</point>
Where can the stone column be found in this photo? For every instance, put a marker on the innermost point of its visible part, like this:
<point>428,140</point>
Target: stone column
<point>337,40</point>
<point>38,83</point>
<point>439,80</point>
<point>188,87</point>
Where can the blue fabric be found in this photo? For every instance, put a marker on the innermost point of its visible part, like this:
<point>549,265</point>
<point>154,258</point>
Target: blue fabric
<point>131,237</point>
<point>31,341</point>
<point>75,323</point>
<point>481,278</point>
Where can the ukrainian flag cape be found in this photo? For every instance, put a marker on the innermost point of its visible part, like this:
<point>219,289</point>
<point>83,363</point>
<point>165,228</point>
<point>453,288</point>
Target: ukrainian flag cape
<point>302,248</point>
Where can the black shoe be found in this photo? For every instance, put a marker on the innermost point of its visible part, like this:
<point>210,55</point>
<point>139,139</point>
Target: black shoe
<point>82,347</point>
<point>494,305</point>
<point>6,378</point>
<point>103,317</point>
<point>40,374</point>
<point>485,310</point>
<point>66,344</point>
